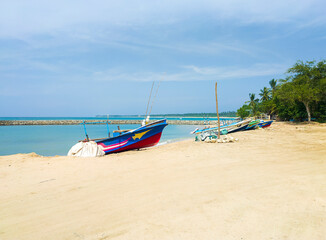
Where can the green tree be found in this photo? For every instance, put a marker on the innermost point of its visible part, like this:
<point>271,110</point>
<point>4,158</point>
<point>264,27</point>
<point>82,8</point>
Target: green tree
<point>302,94</point>
<point>266,104</point>
<point>305,84</point>
<point>253,103</point>
<point>273,84</point>
<point>264,93</point>
<point>244,111</point>
<point>286,107</point>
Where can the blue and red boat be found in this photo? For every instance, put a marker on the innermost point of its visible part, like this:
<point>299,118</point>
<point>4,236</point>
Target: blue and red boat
<point>145,136</point>
<point>265,124</point>
<point>148,135</point>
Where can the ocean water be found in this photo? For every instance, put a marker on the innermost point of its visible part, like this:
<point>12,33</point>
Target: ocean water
<point>54,140</point>
<point>116,118</point>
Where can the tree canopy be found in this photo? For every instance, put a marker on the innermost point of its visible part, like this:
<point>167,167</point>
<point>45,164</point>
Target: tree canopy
<point>300,96</point>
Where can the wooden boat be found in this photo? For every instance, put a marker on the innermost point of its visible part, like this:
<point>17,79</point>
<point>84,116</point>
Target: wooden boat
<point>234,127</point>
<point>231,128</point>
<point>145,136</point>
<point>238,127</point>
<point>265,124</point>
<point>253,125</point>
<point>148,135</point>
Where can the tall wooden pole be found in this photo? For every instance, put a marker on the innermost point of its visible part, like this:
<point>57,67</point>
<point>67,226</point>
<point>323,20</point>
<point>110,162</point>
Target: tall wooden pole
<point>218,116</point>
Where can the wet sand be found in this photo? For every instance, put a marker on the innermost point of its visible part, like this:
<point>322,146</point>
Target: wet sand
<point>271,184</point>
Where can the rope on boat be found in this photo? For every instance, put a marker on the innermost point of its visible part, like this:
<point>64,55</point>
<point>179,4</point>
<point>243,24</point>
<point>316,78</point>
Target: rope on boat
<point>150,95</point>
<point>154,97</point>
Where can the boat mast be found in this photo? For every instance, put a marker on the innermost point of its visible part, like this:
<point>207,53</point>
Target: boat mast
<point>149,99</point>
<point>218,116</point>
<point>149,113</point>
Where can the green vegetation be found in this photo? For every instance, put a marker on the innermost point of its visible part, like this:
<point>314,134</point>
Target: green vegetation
<point>244,111</point>
<point>300,96</point>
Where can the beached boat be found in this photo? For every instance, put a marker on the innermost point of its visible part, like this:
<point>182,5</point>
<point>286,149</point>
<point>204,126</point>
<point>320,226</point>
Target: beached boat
<point>253,125</point>
<point>233,127</point>
<point>265,124</point>
<point>148,135</point>
<point>145,136</point>
<point>202,134</point>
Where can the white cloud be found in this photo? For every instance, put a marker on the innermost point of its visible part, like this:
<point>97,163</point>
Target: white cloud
<point>19,17</point>
<point>195,73</point>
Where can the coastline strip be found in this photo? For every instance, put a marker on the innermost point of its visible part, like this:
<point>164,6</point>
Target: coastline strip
<point>77,122</point>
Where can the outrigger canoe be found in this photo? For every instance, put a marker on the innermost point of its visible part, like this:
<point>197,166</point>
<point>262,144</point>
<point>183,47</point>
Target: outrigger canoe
<point>234,127</point>
<point>253,125</point>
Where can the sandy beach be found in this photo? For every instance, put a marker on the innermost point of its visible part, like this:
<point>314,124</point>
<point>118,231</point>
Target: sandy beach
<point>271,184</point>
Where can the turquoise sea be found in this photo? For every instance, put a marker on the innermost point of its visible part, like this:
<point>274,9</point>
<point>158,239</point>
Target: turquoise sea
<point>116,118</point>
<point>58,139</point>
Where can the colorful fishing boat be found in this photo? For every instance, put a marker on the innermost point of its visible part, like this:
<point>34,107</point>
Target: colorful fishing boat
<point>233,127</point>
<point>202,134</point>
<point>145,136</point>
<point>253,125</point>
<point>148,135</point>
<point>265,124</point>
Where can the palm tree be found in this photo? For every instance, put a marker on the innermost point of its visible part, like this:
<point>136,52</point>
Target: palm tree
<point>264,93</point>
<point>273,84</point>
<point>253,103</point>
<point>252,97</point>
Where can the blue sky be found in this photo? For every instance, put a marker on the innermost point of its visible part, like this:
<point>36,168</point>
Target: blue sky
<point>83,58</point>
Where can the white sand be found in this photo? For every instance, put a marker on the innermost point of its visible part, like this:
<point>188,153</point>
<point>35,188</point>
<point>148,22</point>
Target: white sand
<point>269,185</point>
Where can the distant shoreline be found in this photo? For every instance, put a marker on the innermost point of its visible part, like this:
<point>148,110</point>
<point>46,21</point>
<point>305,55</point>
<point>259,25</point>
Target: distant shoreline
<point>77,122</point>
